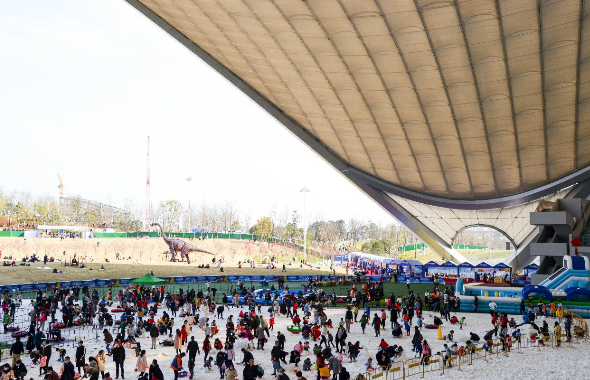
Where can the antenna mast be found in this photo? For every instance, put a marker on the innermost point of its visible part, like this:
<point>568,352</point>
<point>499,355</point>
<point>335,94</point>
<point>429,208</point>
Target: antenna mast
<point>148,203</point>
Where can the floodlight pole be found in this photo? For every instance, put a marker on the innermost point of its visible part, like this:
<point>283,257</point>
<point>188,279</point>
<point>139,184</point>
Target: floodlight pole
<point>304,191</point>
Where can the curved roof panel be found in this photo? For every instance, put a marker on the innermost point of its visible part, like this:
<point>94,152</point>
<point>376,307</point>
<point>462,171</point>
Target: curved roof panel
<point>463,99</point>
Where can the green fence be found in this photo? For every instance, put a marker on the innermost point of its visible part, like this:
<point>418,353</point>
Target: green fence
<point>467,246</point>
<point>182,235</point>
<point>411,247</point>
<point>12,233</point>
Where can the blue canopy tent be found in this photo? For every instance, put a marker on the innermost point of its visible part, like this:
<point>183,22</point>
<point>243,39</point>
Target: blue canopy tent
<point>448,269</point>
<point>466,271</point>
<point>530,269</point>
<point>484,272</point>
<point>417,268</point>
<point>503,271</point>
<point>392,265</point>
<point>341,259</point>
<point>405,268</point>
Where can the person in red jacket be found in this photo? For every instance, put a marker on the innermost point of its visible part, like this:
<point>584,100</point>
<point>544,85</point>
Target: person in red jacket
<point>376,325</point>
<point>206,349</point>
<point>183,335</point>
<point>383,344</point>
<point>504,324</point>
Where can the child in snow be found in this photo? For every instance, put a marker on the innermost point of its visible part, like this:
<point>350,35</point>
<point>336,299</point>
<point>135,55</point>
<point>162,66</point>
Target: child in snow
<point>369,364</point>
<point>557,331</point>
<point>330,339</point>
<point>209,363</point>
<point>62,354</point>
<point>307,364</point>
<point>449,337</point>
<point>352,352</point>
<point>462,323</point>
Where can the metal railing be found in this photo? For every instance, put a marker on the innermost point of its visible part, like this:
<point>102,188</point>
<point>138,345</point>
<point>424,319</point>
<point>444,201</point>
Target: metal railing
<point>498,347</point>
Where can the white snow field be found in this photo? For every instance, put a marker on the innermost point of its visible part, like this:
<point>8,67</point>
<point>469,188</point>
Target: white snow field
<point>544,363</point>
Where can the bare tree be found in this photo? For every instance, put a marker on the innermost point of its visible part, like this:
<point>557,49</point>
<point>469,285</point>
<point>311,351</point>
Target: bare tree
<point>246,220</point>
<point>169,213</point>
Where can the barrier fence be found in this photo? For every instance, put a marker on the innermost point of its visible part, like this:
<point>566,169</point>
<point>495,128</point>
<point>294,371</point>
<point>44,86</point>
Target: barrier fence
<point>323,280</point>
<point>438,363</point>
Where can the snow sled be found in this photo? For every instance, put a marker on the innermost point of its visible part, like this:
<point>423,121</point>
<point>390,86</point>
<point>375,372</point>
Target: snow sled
<point>116,310</point>
<point>294,329</point>
<point>19,334</point>
<point>182,374</point>
<point>12,328</point>
<point>58,325</point>
<point>431,327</point>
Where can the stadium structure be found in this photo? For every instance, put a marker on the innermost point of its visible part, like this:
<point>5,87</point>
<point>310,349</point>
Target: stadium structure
<point>448,114</point>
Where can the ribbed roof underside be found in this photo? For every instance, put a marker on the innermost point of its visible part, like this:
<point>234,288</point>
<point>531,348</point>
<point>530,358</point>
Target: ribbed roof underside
<point>513,221</point>
<point>470,99</point>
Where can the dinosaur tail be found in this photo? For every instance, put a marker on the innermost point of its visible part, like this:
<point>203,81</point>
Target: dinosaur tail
<point>202,250</point>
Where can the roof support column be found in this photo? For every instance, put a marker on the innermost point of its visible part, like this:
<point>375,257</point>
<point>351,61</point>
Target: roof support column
<point>431,239</point>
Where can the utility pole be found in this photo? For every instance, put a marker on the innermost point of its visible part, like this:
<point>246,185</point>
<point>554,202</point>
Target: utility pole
<point>61,193</point>
<point>190,181</point>
<point>304,191</point>
<point>148,203</point>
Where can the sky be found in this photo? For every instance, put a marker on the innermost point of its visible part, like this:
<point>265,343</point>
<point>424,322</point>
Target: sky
<point>82,85</point>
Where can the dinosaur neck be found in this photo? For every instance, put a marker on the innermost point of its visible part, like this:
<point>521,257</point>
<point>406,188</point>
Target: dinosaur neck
<point>162,231</point>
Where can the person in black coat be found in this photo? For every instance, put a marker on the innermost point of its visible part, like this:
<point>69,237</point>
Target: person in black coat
<point>192,348</point>
<point>80,356</point>
<point>295,357</point>
<point>69,370</point>
<point>154,334</point>
<point>47,351</point>
<point>119,358</point>
<point>20,370</point>
<point>155,372</point>
<point>281,338</point>
<point>16,350</point>
<point>344,375</point>
<point>247,356</point>
<point>251,371</point>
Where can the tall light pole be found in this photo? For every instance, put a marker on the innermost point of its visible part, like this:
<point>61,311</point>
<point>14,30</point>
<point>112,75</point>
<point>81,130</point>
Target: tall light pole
<point>190,180</point>
<point>304,191</point>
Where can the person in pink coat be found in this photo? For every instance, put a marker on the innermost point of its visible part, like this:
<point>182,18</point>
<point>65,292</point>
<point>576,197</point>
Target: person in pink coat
<point>178,342</point>
<point>426,352</point>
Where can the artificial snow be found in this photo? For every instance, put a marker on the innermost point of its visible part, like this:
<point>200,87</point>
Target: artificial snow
<point>546,363</point>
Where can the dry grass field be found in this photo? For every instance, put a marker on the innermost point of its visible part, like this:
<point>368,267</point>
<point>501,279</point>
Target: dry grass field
<point>139,256</point>
<point>27,275</point>
<point>136,258</point>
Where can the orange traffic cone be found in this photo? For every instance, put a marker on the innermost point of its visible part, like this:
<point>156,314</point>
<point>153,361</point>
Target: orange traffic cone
<point>440,337</point>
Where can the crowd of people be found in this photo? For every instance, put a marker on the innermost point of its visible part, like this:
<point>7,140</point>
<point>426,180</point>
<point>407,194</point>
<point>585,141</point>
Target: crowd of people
<point>176,320</point>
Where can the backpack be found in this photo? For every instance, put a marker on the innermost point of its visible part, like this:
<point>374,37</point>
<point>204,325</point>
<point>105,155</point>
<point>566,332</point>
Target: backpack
<point>260,371</point>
